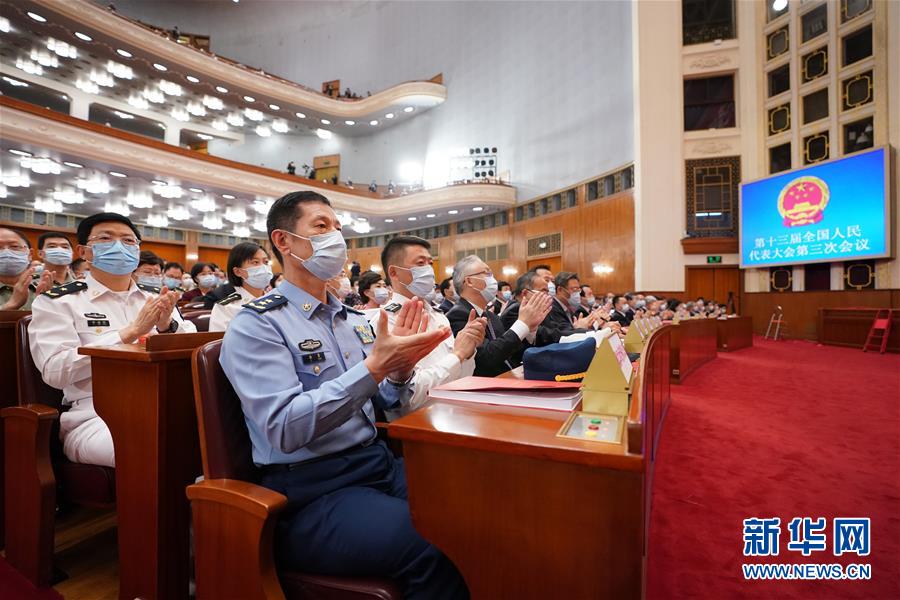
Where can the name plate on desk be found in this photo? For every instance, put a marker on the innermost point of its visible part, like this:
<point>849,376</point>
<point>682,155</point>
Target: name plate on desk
<point>606,386</point>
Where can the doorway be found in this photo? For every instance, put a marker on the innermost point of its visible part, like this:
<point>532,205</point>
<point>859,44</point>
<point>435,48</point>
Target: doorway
<point>714,282</point>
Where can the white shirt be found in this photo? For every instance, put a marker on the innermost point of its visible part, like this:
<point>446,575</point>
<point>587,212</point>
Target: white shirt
<point>91,317</point>
<point>519,327</point>
<point>222,314</point>
<point>438,367</point>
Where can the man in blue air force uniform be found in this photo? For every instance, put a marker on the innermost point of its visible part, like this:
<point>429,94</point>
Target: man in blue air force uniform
<point>308,371</point>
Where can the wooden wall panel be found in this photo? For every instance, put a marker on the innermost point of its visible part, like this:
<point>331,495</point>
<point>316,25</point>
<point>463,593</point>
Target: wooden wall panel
<point>167,252</point>
<point>214,255</point>
<point>801,309</point>
<point>599,232</point>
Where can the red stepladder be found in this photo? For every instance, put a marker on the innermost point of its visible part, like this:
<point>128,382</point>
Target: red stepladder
<point>881,328</point>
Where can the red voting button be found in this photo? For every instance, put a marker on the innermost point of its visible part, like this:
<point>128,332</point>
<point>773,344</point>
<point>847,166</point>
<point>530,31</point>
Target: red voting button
<point>593,427</point>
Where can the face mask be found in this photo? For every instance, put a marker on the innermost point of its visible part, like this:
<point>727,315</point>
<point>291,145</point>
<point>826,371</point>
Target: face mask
<point>208,281</point>
<point>115,257</point>
<point>150,280</point>
<point>172,283</point>
<point>490,288</point>
<point>259,276</point>
<point>345,288</point>
<point>551,288</point>
<point>574,299</point>
<point>187,283</point>
<point>329,254</point>
<point>38,269</point>
<point>640,304</point>
<point>423,281</point>
<point>382,295</point>
<point>12,262</point>
<point>506,295</point>
<point>58,256</point>
<point>589,300</point>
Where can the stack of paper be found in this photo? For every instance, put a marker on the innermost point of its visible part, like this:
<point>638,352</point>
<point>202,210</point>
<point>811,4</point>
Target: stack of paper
<point>549,395</point>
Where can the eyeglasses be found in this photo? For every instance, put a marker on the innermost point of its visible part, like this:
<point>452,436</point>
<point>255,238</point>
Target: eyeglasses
<point>15,247</point>
<point>105,238</point>
<point>485,273</point>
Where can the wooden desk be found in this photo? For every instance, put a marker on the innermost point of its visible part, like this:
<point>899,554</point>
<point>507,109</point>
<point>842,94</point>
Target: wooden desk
<point>10,379</point>
<point>734,334</point>
<point>850,326</point>
<point>526,514</point>
<point>693,343</point>
<point>146,398</point>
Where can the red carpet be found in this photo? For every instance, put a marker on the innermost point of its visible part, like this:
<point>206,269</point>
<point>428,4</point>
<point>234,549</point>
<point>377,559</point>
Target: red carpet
<point>15,587</point>
<point>783,429</point>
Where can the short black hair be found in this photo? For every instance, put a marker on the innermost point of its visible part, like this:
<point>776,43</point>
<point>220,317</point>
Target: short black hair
<point>272,282</point>
<point>77,262</point>
<point>173,265</point>
<point>20,234</point>
<point>524,282</point>
<point>237,256</point>
<point>367,280</point>
<point>616,300</point>
<point>585,285</point>
<point>49,235</point>
<point>628,297</point>
<point>544,267</point>
<point>285,212</point>
<point>395,246</point>
<point>502,284</point>
<point>564,277</point>
<point>195,270</point>
<point>149,258</point>
<point>84,228</point>
<point>445,285</point>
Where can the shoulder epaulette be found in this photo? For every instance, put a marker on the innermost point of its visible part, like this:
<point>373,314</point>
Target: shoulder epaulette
<point>393,307</point>
<point>148,288</point>
<point>65,289</point>
<point>352,310</point>
<point>265,303</point>
<point>229,299</point>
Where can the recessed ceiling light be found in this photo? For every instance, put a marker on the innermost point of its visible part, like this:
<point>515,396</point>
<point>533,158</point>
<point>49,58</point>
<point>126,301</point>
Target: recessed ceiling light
<point>73,165</point>
<point>221,90</point>
<point>408,109</point>
<point>410,218</point>
<point>431,215</point>
<point>83,36</point>
<point>228,196</point>
<point>323,134</point>
<point>124,53</point>
<point>325,121</point>
<point>192,79</point>
<point>160,182</point>
<point>373,122</point>
<point>196,190</point>
<point>478,209</point>
<point>453,212</point>
<point>204,136</point>
<point>300,115</point>
<point>388,220</point>
<point>37,17</point>
<point>350,122</point>
<point>389,116</point>
<point>274,107</point>
<point>19,152</point>
<point>117,174</point>
<point>249,98</point>
<point>160,67</point>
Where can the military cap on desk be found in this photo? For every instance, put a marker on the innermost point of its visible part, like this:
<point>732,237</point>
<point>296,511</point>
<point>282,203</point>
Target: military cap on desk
<point>559,362</point>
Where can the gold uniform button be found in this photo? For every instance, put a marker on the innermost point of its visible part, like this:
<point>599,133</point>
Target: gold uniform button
<point>316,369</point>
<point>346,355</point>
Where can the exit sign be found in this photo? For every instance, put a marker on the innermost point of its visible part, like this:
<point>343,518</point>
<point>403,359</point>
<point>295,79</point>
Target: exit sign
<point>713,260</point>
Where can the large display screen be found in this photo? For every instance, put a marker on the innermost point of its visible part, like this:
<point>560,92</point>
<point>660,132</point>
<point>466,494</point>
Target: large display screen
<point>830,212</point>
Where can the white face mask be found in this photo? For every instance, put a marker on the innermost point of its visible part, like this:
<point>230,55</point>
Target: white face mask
<point>490,287</point>
<point>423,281</point>
<point>329,254</point>
<point>150,280</point>
<point>382,295</point>
<point>345,288</point>
<point>551,288</point>
<point>258,276</point>
<point>589,300</point>
<point>13,263</point>
<point>58,256</point>
<point>208,281</point>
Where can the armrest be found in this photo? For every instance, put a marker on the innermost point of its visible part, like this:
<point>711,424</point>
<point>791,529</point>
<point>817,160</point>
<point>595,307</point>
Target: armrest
<point>234,523</point>
<point>30,488</point>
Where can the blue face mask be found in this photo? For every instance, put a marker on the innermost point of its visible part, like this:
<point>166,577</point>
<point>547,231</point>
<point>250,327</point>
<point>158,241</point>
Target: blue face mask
<point>13,263</point>
<point>115,258</point>
<point>507,295</point>
<point>58,256</point>
<point>329,254</point>
<point>172,283</point>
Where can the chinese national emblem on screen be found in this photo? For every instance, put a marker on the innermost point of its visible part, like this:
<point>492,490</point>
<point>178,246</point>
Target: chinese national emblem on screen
<point>803,201</point>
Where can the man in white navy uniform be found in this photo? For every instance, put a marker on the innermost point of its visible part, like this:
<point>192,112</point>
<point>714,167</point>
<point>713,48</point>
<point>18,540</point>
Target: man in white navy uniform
<point>104,309</point>
<point>406,261</point>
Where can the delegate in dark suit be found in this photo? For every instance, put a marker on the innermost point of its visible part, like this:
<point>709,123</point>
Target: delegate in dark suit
<point>555,325</point>
<point>501,349</point>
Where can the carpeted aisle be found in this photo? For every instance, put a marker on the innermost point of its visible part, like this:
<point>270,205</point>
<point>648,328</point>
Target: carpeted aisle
<point>783,429</point>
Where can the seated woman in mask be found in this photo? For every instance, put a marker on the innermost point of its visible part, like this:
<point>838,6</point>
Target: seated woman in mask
<point>205,278</point>
<point>374,292</point>
<point>249,272</point>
